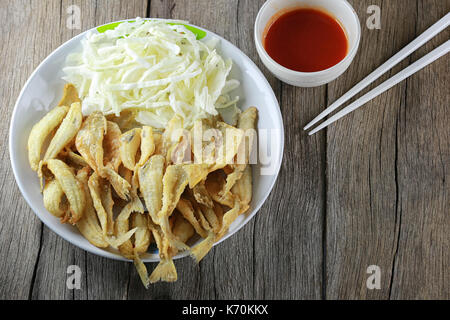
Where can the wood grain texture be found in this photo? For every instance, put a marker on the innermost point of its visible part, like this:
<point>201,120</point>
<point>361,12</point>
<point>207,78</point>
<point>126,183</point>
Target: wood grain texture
<point>371,189</point>
<point>220,275</point>
<point>422,260</point>
<point>366,178</point>
<point>361,155</point>
<point>102,278</point>
<point>20,229</point>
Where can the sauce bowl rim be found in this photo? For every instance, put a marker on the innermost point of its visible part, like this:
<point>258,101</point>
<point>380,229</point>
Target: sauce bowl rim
<point>349,56</point>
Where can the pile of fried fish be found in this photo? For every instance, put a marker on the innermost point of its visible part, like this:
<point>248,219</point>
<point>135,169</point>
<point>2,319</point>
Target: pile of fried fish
<point>125,186</point>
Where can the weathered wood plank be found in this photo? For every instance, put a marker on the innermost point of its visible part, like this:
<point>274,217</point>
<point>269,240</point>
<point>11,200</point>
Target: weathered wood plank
<point>361,155</point>
<point>288,229</point>
<point>235,259</point>
<point>20,230</point>
<point>55,256</point>
<point>240,264</point>
<point>422,260</point>
<point>206,280</point>
<point>101,278</point>
<point>368,187</point>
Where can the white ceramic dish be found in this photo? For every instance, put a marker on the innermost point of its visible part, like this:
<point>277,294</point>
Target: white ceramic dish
<point>340,9</point>
<point>44,88</point>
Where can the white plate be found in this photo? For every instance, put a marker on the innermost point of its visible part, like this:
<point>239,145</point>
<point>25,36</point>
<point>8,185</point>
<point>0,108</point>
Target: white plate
<point>43,90</point>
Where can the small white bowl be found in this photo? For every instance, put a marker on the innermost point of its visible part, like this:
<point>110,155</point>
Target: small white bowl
<point>341,10</point>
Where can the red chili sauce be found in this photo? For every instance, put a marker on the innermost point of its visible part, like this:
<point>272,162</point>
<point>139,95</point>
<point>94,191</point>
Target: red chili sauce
<point>305,40</point>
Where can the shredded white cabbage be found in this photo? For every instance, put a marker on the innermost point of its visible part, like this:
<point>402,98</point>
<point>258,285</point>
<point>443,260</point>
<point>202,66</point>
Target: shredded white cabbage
<point>154,68</point>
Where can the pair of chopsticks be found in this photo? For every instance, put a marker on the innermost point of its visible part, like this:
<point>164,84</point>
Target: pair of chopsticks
<point>402,54</point>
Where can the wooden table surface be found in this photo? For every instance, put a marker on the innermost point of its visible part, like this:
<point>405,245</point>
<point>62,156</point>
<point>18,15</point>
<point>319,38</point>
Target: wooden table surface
<point>372,189</point>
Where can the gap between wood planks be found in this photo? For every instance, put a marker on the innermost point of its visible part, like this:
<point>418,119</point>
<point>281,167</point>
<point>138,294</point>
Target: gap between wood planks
<point>325,209</point>
<point>36,264</point>
<point>398,208</point>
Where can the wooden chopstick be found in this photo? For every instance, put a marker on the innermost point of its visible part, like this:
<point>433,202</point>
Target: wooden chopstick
<point>389,64</point>
<point>405,73</point>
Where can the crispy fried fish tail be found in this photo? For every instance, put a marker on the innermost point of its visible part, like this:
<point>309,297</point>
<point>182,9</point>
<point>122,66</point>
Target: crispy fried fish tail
<point>199,251</point>
<point>164,271</point>
<point>142,271</point>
